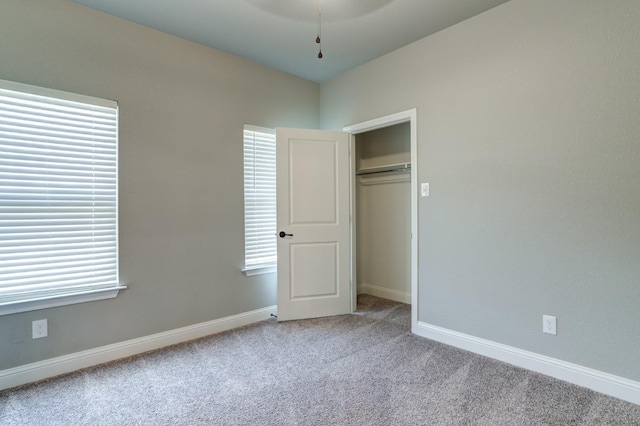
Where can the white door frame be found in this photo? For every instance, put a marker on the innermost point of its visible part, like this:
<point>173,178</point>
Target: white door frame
<point>367,126</point>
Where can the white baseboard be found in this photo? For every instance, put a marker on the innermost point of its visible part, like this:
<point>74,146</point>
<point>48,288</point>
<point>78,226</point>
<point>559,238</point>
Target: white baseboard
<point>608,384</point>
<point>385,293</point>
<point>65,364</point>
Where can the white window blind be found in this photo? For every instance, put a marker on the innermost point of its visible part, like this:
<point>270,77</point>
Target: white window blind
<point>259,197</point>
<point>58,198</point>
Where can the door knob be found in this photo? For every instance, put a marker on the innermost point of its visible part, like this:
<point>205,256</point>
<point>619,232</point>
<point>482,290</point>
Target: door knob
<point>283,234</point>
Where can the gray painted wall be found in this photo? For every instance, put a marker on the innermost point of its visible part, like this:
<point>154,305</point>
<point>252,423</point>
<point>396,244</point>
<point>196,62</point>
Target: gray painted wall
<point>182,108</point>
<point>528,134</point>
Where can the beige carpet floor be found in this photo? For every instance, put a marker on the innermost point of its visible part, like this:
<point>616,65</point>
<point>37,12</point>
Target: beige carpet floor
<point>360,369</point>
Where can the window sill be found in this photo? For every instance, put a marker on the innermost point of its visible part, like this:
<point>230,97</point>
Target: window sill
<point>51,302</point>
<point>259,270</point>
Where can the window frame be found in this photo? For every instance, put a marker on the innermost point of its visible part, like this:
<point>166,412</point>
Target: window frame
<point>12,300</point>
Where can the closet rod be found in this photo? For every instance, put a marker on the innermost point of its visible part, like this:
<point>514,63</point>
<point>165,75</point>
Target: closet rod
<point>404,167</point>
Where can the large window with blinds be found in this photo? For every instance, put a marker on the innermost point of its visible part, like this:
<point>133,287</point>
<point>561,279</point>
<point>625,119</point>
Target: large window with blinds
<point>58,198</point>
<point>259,199</point>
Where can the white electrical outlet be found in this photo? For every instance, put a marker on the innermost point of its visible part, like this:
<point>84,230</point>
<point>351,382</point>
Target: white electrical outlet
<point>39,329</point>
<point>549,324</point>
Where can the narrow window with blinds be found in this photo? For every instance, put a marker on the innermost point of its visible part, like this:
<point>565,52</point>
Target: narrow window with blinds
<point>58,198</point>
<point>259,200</point>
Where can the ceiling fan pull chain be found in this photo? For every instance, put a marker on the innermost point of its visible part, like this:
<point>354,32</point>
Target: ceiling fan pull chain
<point>318,40</point>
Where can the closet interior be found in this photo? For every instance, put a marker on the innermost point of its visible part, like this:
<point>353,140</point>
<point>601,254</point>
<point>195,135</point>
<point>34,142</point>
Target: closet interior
<point>383,212</point>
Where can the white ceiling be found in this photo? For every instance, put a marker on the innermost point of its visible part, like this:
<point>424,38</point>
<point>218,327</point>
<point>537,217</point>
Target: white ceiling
<point>282,33</point>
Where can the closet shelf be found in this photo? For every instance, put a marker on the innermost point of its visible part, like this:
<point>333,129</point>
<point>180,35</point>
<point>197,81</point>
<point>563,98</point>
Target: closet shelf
<point>397,167</point>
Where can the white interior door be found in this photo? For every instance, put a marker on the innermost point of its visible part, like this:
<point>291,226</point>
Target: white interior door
<point>313,223</point>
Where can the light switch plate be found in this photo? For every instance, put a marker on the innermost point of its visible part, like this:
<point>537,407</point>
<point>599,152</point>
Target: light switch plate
<point>424,189</point>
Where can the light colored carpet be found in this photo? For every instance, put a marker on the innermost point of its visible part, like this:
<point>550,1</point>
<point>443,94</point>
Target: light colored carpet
<point>360,369</point>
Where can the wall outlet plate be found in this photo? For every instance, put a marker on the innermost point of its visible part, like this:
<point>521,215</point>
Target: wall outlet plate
<point>549,324</point>
<point>39,329</point>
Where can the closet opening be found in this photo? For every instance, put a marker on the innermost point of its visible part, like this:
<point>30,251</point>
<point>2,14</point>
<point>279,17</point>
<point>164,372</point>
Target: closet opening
<point>383,212</point>
<point>384,209</point>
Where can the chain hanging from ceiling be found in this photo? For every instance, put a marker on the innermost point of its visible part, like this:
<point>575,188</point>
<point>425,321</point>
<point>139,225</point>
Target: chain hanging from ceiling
<point>318,39</point>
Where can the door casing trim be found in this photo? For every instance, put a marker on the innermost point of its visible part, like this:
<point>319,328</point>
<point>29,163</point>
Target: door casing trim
<point>409,116</point>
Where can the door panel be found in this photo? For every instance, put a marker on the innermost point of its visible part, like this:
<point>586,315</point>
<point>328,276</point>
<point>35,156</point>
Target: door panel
<point>313,270</point>
<point>313,209</point>
<point>313,172</point>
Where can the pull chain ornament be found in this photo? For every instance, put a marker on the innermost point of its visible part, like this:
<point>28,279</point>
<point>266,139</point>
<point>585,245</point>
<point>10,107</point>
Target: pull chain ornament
<point>318,40</point>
